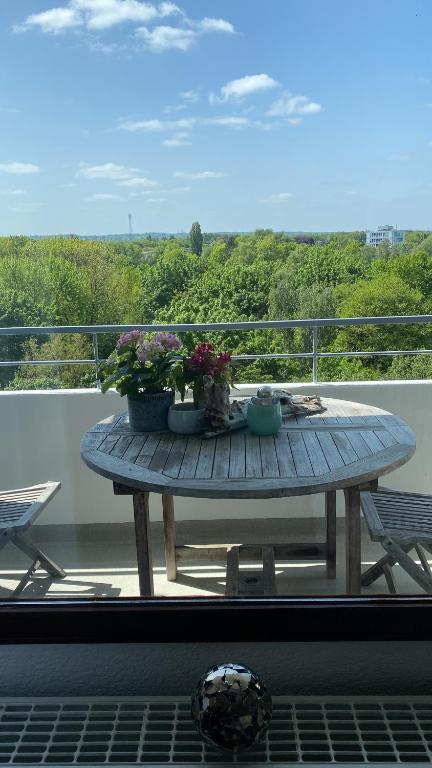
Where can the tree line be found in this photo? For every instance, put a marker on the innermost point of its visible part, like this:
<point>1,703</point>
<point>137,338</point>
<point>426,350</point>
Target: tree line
<point>211,278</point>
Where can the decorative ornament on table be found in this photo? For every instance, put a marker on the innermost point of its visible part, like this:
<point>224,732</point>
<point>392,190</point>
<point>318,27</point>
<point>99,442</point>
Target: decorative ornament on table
<point>264,414</point>
<point>231,707</point>
<point>208,374</point>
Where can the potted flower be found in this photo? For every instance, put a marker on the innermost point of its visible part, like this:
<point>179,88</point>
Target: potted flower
<point>142,367</point>
<point>208,374</point>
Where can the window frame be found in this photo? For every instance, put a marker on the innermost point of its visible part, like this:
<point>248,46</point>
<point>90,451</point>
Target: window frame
<point>154,620</point>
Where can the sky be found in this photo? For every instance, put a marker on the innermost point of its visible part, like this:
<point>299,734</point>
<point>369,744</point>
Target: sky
<point>297,115</point>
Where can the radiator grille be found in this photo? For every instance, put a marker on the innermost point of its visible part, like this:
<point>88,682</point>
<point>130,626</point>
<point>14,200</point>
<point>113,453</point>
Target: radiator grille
<point>159,731</point>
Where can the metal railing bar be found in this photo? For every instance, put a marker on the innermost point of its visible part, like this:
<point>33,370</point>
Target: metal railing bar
<point>273,356</point>
<point>96,359</point>
<point>314,354</point>
<point>245,358</point>
<point>392,352</point>
<point>13,363</point>
<point>234,326</point>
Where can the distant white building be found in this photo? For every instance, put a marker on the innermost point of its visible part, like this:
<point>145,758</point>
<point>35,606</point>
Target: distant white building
<point>387,232</point>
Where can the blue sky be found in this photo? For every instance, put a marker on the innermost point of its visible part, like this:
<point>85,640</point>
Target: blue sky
<point>290,114</point>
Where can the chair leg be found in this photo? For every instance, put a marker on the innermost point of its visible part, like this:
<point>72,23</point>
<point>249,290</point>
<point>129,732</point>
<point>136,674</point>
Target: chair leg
<point>23,583</point>
<point>423,560</point>
<point>330,514</point>
<point>36,554</point>
<point>389,577</point>
<point>406,562</point>
<point>375,571</point>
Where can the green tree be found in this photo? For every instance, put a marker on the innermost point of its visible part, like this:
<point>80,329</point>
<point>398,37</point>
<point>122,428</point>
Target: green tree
<point>196,238</point>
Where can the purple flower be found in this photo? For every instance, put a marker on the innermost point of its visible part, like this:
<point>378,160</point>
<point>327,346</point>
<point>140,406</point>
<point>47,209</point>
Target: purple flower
<point>168,340</point>
<point>128,338</point>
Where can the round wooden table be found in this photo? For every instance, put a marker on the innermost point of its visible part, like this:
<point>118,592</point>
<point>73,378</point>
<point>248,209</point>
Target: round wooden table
<point>348,446</point>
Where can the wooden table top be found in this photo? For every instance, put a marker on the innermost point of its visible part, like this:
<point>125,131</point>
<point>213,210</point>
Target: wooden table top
<point>346,445</point>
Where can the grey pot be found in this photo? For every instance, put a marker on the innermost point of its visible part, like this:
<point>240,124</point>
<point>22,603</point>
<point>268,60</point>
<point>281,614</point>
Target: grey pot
<point>149,413</point>
<point>185,419</point>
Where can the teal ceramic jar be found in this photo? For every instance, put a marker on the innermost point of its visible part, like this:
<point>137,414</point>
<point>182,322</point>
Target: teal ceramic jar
<point>264,418</point>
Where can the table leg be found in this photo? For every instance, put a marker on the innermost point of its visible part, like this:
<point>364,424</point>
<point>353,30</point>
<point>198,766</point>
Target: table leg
<point>143,543</point>
<point>330,513</point>
<point>353,540</point>
<point>169,537</point>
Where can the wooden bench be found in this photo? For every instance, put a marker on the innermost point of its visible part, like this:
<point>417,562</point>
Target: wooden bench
<point>19,508</point>
<point>244,582</point>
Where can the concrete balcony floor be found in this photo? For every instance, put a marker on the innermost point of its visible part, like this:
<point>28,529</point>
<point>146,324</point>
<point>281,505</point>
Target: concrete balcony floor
<point>100,560</point>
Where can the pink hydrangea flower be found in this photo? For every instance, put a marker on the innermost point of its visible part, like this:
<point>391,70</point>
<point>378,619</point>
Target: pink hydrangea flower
<point>128,338</point>
<point>169,340</point>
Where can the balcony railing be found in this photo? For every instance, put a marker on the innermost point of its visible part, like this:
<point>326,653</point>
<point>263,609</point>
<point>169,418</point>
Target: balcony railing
<point>314,324</point>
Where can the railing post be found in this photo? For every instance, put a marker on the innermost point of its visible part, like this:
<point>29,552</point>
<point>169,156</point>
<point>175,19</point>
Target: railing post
<point>96,358</point>
<point>314,354</point>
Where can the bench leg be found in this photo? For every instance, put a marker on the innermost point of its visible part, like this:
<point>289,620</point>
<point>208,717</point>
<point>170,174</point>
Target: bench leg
<point>36,554</point>
<point>232,571</point>
<point>169,537</point>
<point>330,513</point>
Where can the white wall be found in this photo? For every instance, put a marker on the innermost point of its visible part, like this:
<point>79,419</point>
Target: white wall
<point>41,432</point>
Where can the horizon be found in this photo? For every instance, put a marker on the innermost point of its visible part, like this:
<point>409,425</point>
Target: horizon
<point>293,117</point>
<point>185,234</point>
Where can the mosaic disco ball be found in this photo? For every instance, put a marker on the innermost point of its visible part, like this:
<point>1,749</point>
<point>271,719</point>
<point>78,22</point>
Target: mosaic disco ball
<point>231,707</point>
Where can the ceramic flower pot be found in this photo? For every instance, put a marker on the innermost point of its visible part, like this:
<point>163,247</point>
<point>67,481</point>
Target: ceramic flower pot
<point>149,413</point>
<point>185,419</point>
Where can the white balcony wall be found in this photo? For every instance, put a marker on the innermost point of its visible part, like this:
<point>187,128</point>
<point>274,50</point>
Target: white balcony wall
<point>41,432</point>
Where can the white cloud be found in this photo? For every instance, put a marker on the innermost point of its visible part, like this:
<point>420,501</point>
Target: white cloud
<point>103,14</point>
<point>120,174</point>
<point>199,175</point>
<point>278,197</point>
<point>143,125</point>
<point>178,140</point>
<point>138,181</point>
<point>216,25</point>
<point>19,168</point>
<point>102,196</point>
<point>230,121</point>
<point>25,207</point>
<point>191,96</point>
<point>350,192</point>
<point>53,21</point>
<point>235,90</point>
<point>289,105</point>
<point>165,38</point>
<point>100,15</point>
<point>13,192</point>
<point>156,126</point>
<point>6,109</point>
<point>174,108</point>
<point>96,15</point>
<point>106,171</point>
<point>156,199</point>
